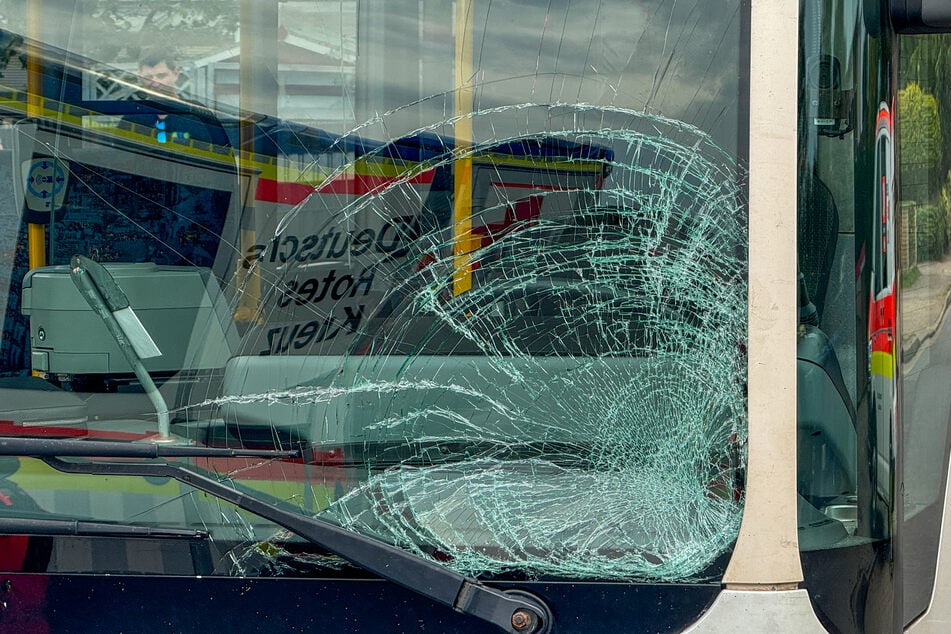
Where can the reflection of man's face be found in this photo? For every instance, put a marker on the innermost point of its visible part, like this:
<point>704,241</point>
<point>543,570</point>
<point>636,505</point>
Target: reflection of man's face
<point>160,78</point>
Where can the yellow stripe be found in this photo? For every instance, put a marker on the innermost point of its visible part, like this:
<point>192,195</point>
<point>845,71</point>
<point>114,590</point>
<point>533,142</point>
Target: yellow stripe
<point>462,174</point>
<point>36,239</point>
<point>883,364</point>
<point>36,233</point>
<point>267,166</point>
<point>564,165</point>
<point>35,475</point>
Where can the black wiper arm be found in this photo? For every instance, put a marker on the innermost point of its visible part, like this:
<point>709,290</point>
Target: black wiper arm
<point>514,611</point>
<point>43,447</point>
<point>49,526</point>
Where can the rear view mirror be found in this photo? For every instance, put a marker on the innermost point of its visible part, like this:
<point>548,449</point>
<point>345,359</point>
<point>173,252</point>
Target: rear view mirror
<point>921,16</point>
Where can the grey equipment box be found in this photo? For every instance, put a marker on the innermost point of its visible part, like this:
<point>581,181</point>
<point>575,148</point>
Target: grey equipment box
<point>182,308</point>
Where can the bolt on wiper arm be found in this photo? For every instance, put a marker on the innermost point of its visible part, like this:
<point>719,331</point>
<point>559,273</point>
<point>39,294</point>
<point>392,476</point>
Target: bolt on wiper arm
<point>84,528</point>
<point>514,611</point>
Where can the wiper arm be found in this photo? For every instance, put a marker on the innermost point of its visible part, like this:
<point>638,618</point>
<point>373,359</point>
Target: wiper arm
<point>43,447</point>
<point>514,611</point>
<point>50,526</point>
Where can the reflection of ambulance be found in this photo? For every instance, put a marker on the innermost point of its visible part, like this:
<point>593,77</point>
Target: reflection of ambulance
<point>302,262</point>
<point>882,319</point>
<point>333,225</point>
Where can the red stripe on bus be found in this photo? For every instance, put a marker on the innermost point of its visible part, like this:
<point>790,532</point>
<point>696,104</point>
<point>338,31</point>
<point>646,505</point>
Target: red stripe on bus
<point>272,191</point>
<point>10,428</point>
<point>253,469</point>
<point>358,184</point>
<point>550,188</point>
<point>287,193</point>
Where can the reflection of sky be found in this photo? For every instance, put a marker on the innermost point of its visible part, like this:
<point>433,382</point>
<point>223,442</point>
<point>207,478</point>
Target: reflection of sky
<point>677,59</point>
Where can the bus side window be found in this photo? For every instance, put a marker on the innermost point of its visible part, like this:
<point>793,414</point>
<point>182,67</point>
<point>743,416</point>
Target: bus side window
<point>826,416</point>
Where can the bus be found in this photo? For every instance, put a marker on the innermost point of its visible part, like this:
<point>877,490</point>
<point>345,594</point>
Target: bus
<point>475,316</point>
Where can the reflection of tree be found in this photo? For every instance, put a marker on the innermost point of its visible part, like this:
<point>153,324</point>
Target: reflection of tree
<point>115,31</point>
<point>920,160</point>
<point>932,231</point>
<point>926,157</point>
<point>155,22</point>
<point>926,60</point>
<point>218,15</point>
<point>921,141</point>
<point>10,47</point>
<point>944,204</point>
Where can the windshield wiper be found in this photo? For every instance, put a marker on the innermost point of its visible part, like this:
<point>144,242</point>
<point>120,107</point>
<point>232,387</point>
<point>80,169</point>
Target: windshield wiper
<point>85,528</point>
<point>42,447</point>
<point>512,610</point>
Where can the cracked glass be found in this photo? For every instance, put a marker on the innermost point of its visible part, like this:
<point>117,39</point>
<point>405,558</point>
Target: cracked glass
<point>483,264</point>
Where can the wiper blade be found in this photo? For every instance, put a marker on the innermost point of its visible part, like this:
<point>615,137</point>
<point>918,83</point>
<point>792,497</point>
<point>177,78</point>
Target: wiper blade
<point>43,447</point>
<point>47,526</point>
<point>512,610</point>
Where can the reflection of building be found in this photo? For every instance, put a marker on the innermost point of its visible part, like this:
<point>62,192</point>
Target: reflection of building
<point>315,59</point>
<point>315,80</point>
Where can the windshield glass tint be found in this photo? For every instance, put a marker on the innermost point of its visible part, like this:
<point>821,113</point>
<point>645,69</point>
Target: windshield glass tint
<point>484,263</point>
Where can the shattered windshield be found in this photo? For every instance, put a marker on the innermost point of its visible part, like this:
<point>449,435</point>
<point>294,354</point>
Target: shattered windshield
<point>482,264</point>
